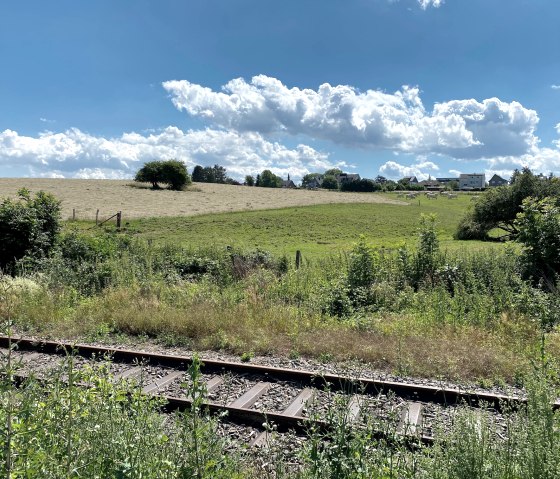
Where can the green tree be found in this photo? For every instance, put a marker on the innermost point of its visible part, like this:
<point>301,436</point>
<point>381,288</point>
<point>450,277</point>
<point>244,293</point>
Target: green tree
<point>499,207</point>
<point>333,172</point>
<point>150,173</point>
<point>269,180</point>
<point>539,233</point>
<point>363,186</point>
<point>198,174</point>
<point>29,226</point>
<point>172,172</point>
<point>175,174</point>
<point>249,180</point>
<point>329,183</point>
<point>220,175</point>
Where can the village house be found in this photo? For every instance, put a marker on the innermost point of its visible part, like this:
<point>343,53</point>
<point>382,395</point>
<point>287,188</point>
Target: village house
<point>497,181</point>
<point>472,181</point>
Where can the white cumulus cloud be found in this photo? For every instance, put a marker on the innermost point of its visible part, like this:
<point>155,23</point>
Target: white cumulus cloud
<point>372,119</point>
<point>73,153</point>
<point>421,169</point>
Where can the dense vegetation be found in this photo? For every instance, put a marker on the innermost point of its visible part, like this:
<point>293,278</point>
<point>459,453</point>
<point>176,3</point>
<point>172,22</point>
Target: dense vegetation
<point>499,207</point>
<point>28,227</point>
<point>172,172</point>
<point>104,430</point>
<point>478,315</point>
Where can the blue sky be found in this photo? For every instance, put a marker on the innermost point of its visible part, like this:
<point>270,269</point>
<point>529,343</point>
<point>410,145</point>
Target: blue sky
<point>424,87</point>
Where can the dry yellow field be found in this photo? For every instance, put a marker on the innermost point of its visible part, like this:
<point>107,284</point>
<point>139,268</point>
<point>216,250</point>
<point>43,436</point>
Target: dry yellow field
<point>110,196</point>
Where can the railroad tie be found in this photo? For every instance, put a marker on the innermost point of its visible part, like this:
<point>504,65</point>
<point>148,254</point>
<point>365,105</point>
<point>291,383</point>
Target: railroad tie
<point>213,383</point>
<point>260,440</point>
<point>131,373</point>
<point>411,419</point>
<point>353,410</point>
<point>164,381</point>
<point>251,396</point>
<point>295,408</point>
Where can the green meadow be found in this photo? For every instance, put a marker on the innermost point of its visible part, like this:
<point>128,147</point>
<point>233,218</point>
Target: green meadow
<point>315,230</point>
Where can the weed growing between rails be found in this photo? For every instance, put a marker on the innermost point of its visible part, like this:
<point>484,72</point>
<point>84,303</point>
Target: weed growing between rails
<point>105,430</point>
<point>524,445</point>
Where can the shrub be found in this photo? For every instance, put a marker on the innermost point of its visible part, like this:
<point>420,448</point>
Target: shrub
<point>28,227</point>
<point>539,232</point>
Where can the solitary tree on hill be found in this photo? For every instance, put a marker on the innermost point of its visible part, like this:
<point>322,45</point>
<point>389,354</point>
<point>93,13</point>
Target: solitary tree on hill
<point>172,172</point>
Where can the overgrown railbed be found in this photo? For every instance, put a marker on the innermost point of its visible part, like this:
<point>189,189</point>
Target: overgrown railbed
<point>81,423</point>
<point>420,311</point>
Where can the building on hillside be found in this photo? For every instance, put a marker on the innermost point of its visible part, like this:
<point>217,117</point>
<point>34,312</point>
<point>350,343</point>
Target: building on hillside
<point>443,181</point>
<point>288,183</point>
<point>347,178</point>
<point>497,181</point>
<point>431,185</point>
<point>315,183</point>
<point>472,181</point>
<point>409,179</point>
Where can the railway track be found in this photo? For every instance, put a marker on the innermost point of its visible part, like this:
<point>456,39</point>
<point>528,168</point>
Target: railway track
<point>255,395</point>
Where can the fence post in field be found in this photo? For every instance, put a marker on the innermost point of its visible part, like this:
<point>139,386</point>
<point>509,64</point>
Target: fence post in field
<point>298,259</point>
<point>96,217</point>
<point>119,214</point>
<point>73,214</point>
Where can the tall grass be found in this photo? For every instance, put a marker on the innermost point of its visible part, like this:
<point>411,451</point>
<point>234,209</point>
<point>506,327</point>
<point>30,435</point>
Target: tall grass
<point>384,306</point>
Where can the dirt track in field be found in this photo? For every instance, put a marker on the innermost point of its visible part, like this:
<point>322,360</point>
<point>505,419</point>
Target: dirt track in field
<point>110,196</point>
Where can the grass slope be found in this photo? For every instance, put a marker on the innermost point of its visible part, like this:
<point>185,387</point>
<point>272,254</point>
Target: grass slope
<point>315,229</point>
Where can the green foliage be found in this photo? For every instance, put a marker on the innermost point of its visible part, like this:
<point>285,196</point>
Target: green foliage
<point>333,172</point>
<point>267,179</point>
<point>306,180</point>
<point>172,172</point>
<point>28,227</point>
<point>539,233</point>
<point>249,180</point>
<point>55,428</point>
<point>426,259</point>
<point>361,186</point>
<point>499,207</point>
<point>526,445</point>
<point>361,266</point>
<point>329,183</point>
<point>210,174</point>
<point>150,173</point>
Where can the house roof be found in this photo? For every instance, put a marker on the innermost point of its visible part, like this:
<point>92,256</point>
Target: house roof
<point>497,178</point>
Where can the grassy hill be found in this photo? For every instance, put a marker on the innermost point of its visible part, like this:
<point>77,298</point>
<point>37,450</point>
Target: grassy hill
<point>314,229</point>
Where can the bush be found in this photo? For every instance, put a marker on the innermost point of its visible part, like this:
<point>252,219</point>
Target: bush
<point>28,227</point>
<point>539,232</point>
<point>361,186</point>
<point>172,172</point>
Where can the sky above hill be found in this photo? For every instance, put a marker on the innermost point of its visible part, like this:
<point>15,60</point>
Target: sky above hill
<point>391,87</point>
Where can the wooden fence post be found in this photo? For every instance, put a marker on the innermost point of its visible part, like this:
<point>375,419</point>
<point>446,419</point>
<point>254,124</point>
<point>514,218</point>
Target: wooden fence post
<point>96,217</point>
<point>119,214</point>
<point>298,259</point>
<point>73,214</point>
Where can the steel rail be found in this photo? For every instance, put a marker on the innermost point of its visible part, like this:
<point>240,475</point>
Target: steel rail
<point>409,391</point>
